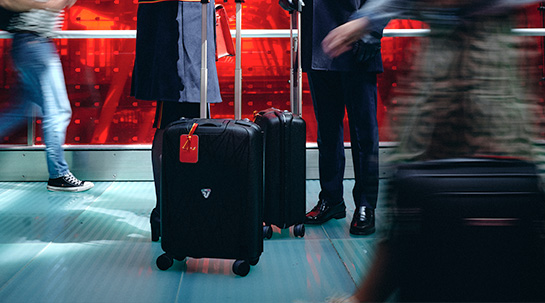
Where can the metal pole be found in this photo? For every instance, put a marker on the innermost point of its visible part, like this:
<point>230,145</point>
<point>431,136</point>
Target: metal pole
<point>292,63</point>
<point>238,61</point>
<point>299,110</point>
<point>296,70</point>
<point>31,127</point>
<point>204,59</point>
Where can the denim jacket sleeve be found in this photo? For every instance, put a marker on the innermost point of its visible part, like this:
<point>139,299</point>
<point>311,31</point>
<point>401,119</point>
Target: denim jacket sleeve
<point>380,12</point>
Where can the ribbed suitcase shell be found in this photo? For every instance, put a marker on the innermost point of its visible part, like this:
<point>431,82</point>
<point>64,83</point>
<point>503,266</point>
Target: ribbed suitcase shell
<point>226,223</point>
<point>285,168</point>
<point>478,227</point>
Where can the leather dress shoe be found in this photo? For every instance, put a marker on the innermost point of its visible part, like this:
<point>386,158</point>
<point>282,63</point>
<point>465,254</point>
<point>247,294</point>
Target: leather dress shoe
<point>363,222</point>
<point>324,212</point>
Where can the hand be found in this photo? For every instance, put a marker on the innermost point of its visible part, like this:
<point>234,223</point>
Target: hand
<point>367,47</point>
<point>342,38</point>
<point>71,3</point>
<point>58,5</point>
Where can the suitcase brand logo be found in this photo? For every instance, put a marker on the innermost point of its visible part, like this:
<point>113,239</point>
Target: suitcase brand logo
<point>206,192</point>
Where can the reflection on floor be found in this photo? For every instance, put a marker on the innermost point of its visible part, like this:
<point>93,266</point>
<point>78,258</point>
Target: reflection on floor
<point>95,247</point>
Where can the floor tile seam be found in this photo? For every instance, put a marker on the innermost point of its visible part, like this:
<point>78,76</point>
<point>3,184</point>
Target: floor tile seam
<point>179,291</point>
<point>27,264</point>
<point>339,256</point>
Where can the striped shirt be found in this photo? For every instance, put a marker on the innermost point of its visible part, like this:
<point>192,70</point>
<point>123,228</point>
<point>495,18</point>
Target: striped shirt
<point>39,21</point>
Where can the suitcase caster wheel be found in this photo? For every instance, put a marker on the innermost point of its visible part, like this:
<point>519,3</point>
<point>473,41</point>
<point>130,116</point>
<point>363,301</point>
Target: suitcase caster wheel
<point>164,262</point>
<point>254,262</point>
<point>299,230</point>
<point>267,232</point>
<point>241,268</point>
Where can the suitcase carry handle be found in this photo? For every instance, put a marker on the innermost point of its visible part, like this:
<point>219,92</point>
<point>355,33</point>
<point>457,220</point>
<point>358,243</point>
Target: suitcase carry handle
<point>207,126</point>
<point>211,123</point>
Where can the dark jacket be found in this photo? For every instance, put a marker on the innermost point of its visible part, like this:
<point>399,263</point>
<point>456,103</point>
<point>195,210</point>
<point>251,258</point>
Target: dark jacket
<point>319,17</point>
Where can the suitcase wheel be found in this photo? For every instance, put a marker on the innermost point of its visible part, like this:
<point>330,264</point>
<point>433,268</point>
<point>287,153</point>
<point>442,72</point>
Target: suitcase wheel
<point>254,262</point>
<point>241,268</point>
<point>299,230</point>
<point>164,262</point>
<point>267,232</point>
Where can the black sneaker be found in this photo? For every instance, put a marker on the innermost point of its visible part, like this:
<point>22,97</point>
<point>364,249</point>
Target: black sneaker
<point>68,183</point>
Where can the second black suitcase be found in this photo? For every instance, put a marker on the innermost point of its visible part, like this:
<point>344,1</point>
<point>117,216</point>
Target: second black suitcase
<point>469,230</point>
<point>285,170</point>
<point>214,207</point>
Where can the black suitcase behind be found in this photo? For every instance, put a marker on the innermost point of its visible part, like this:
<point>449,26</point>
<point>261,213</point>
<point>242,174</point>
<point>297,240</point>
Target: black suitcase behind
<point>470,230</point>
<point>285,170</point>
<point>213,208</point>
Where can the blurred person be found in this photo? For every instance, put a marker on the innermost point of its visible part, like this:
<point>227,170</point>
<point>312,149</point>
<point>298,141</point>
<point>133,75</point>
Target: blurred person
<point>167,70</point>
<point>41,76</point>
<point>468,99</point>
<point>346,83</point>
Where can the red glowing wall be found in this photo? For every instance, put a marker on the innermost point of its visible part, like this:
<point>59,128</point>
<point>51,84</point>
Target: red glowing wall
<point>98,73</point>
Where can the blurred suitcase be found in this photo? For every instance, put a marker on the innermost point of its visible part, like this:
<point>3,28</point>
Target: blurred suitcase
<point>285,170</point>
<point>470,230</point>
<point>212,189</point>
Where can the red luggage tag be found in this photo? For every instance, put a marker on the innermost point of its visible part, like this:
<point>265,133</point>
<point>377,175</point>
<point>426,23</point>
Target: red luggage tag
<point>189,146</point>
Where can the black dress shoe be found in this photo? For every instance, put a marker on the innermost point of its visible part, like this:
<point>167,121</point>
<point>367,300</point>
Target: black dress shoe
<point>155,221</point>
<point>363,222</point>
<point>323,212</point>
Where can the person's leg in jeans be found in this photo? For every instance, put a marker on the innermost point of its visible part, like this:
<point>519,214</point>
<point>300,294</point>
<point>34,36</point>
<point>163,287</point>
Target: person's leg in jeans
<point>41,75</point>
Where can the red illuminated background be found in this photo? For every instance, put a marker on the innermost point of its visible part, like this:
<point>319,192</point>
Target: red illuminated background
<point>98,72</point>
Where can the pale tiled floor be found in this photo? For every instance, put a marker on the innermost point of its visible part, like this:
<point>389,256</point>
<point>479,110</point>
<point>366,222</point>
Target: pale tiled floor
<point>95,247</point>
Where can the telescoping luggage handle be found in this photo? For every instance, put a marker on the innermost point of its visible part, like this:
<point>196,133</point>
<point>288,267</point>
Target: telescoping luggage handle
<point>204,62</point>
<point>296,87</point>
<point>296,71</point>
<point>238,61</point>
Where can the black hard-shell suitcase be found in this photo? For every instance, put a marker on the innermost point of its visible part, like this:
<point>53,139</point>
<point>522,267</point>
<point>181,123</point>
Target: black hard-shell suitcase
<point>285,170</point>
<point>469,230</point>
<point>213,208</point>
<point>212,187</point>
<point>285,148</point>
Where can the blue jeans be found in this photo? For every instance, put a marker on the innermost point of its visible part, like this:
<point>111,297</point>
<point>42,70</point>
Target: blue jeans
<point>42,80</point>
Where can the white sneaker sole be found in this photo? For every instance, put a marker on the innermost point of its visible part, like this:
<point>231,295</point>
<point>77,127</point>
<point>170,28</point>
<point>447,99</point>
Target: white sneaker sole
<point>86,186</point>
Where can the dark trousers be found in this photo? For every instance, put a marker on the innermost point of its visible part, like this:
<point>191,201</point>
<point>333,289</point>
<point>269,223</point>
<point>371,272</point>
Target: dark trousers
<point>167,113</point>
<point>332,92</point>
